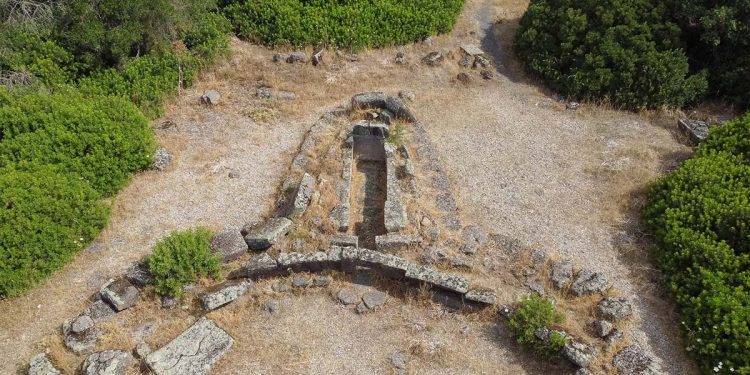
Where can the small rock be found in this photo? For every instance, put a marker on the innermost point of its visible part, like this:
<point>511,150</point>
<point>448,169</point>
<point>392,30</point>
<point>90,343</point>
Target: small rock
<point>347,297</point>
<point>167,125</point>
<point>374,299</point>
<point>279,57</point>
<point>120,294</point>
<point>602,328</point>
<point>465,330</point>
<point>407,95</point>
<point>589,282</point>
<point>539,257</point>
<point>295,57</point>
<point>80,342</point>
<point>399,360</point>
<point>169,302</point>
<point>229,244</point>
<point>318,57</point>
<point>433,59</point>
<point>615,308</point>
<point>634,361</point>
<point>300,282</point>
<point>281,286</point>
<point>466,61</point>
<point>210,97</point>
<point>233,174</point>
<point>400,58</point>
<point>487,74</point>
<point>41,365</point>
<point>572,106</point>
<point>108,362</point>
<point>139,274</point>
<point>434,255</point>
<point>615,336</point>
<point>464,78</point>
<point>224,294</point>
<point>427,41</point>
<point>504,310</point>
<point>562,272</point>
<point>272,306</point>
<point>481,62</point>
<point>322,281</point>
<point>162,158</point>
<point>81,324</point>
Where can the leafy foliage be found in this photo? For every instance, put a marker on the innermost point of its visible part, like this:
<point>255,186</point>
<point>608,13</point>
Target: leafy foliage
<point>617,50</point>
<point>45,218</point>
<point>180,258</point>
<point>700,215</point>
<point>353,23</point>
<point>534,313</point>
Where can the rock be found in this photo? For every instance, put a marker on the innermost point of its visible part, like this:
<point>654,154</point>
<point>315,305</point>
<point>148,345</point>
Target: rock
<point>108,362</point>
<point>261,265</point>
<point>441,280</point>
<point>233,174</point>
<point>534,284</point>
<point>162,158</point>
<point>344,241</point>
<point>347,297</point>
<point>263,236</point>
<point>562,272</point>
<point>481,62</point>
<point>139,275</point>
<point>572,106</point>
<point>193,352</point>
<point>169,302</point>
<point>142,350</point>
<point>396,242</point>
<point>464,78</point>
<point>296,57</point>
<point>504,310</point>
<point>539,257</point>
<point>578,353</point>
<point>407,95</point>
<point>120,294</point>
<point>303,262</point>
<point>634,361</point>
<point>399,360</point>
<point>485,296</point>
<point>303,195</point>
<point>272,306</point>
<point>41,365</point>
<point>322,281</point>
<point>615,308</point>
<point>696,130</point>
<point>279,57</point>
<point>282,286</point>
<point>487,74</point>
<point>400,58</point>
<point>427,41</point>
<point>362,308</point>
<point>210,97</point>
<point>300,282</point>
<point>224,293</point>
<point>446,202</point>
<point>471,50</point>
<point>615,336</point>
<point>433,255</point>
<point>473,234</point>
<point>387,264</point>
<point>374,299</point>
<point>433,59</point>
<point>318,57</point>
<point>466,61</point>
<point>371,99</point>
<point>583,371</point>
<point>461,262</point>
<point>80,342</point>
<point>229,244</point>
<point>589,282</point>
<point>81,324</point>
<point>602,328</point>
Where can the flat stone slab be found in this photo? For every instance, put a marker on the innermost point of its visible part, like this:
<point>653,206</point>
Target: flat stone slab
<point>41,365</point>
<point>589,282</point>
<point>261,265</point>
<point>485,296</point>
<point>193,352</point>
<point>389,265</point>
<point>224,293</point>
<point>303,196</point>
<point>229,245</point>
<point>396,242</point>
<point>300,262</point>
<point>264,235</point>
<point>438,279</point>
<point>108,362</point>
<point>344,240</point>
<point>472,50</point>
<point>120,293</point>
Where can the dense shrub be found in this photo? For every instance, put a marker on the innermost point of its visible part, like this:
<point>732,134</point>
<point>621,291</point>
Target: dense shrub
<point>45,218</point>
<point>533,313</point>
<point>616,50</point>
<point>100,139</point>
<point>208,37</point>
<point>353,23</point>
<point>180,258</point>
<point>43,59</point>
<point>700,216</point>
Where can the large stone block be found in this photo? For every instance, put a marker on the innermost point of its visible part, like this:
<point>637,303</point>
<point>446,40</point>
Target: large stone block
<point>224,293</point>
<point>120,294</point>
<point>193,352</point>
<point>438,279</point>
<point>386,264</point>
<point>264,235</point>
<point>301,262</point>
<point>108,362</point>
<point>261,265</point>
<point>344,241</point>
<point>484,296</point>
<point>302,197</point>
<point>229,245</point>
<point>345,258</point>
<point>41,365</point>
<point>372,99</point>
<point>396,242</point>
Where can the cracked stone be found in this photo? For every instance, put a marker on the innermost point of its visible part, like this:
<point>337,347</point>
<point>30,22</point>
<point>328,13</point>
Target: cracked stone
<point>120,293</point>
<point>374,299</point>
<point>615,308</point>
<point>347,297</point>
<point>589,282</point>
<point>41,365</point>
<point>193,352</point>
<point>108,362</point>
<point>562,272</point>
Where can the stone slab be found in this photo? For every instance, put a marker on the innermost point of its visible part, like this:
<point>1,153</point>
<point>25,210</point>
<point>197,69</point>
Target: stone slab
<point>264,235</point>
<point>224,294</point>
<point>438,279</point>
<point>193,352</point>
<point>229,245</point>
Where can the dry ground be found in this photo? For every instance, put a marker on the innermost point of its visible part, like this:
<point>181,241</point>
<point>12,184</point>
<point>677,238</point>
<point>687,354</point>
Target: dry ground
<point>523,166</point>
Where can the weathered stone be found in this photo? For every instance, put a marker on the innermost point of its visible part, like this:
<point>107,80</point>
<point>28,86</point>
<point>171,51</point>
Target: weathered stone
<point>303,196</point>
<point>142,350</point>
<point>108,362</point>
<point>279,57</point>
<point>433,255</point>
<point>399,109</point>
<point>120,294</point>
<point>441,280</point>
<point>229,245</point>
<point>362,308</point>
<point>452,221</point>
<point>471,50</point>
<point>322,281</point>
<point>572,106</point>
<point>539,257</point>
<point>210,97</point>
<point>162,158</point>
<point>396,242</point>
<point>695,130</point>
<point>464,78</point>
<point>407,95</point>
<point>399,360</point>
<point>347,297</point>
<point>485,296</point>
<point>634,361</point>
<point>372,99</point>
<point>261,265</point>
<point>318,57</point>
<point>169,302</point>
<point>139,275</point>
<point>615,336</point>
<point>349,259</point>
<point>193,352</point>
<point>534,284</point>
<point>81,324</point>
<point>466,61</point>
<point>272,306</point>
<point>224,293</point>
<point>578,353</point>
<point>562,272</point>
<point>80,342</point>
<point>602,328</point>
<point>400,58</point>
<point>296,57</point>
<point>41,365</point>
<point>374,299</point>
<point>303,262</point>
<point>461,262</point>
<point>282,286</point>
<point>300,282</point>
<point>263,236</point>
<point>344,240</point>
<point>390,265</point>
<point>589,282</point>
<point>433,58</point>
<point>615,308</point>
<point>446,202</point>
<point>487,74</point>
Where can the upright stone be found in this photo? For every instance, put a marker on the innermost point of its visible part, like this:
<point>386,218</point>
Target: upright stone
<point>303,196</point>
<point>193,352</point>
<point>264,235</point>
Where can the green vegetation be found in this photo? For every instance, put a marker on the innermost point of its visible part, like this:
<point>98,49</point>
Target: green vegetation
<point>353,23</point>
<point>180,258</point>
<point>700,216</point>
<point>534,313</point>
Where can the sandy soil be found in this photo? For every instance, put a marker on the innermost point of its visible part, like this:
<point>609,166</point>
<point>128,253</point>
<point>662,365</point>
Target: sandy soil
<point>523,166</point>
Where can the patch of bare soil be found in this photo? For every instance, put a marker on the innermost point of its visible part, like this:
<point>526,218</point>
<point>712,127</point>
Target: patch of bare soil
<point>570,182</point>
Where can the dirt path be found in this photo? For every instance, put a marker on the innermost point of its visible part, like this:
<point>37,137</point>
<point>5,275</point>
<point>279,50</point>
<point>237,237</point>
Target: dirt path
<point>523,166</point>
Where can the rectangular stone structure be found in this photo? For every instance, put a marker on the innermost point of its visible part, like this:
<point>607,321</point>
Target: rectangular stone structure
<point>224,293</point>
<point>263,236</point>
<point>394,211</point>
<point>302,262</point>
<point>386,264</point>
<point>340,213</point>
<point>438,279</point>
<point>193,352</point>
<point>344,241</point>
<point>396,242</point>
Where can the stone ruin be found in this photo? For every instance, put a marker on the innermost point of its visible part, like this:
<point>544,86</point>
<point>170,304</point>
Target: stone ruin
<point>357,191</point>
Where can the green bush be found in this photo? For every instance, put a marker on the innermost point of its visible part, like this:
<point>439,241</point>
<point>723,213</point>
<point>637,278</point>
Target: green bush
<point>180,258</point>
<point>51,64</point>
<point>700,216</point>
<point>621,51</point>
<point>534,313</point>
<point>45,218</point>
<point>353,23</point>
<point>101,139</point>
<point>208,37</point>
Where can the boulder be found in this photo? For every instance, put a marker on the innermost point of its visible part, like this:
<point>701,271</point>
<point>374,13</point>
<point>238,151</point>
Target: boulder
<point>296,57</point>
<point>446,202</point>
<point>169,302</point>
<point>562,272</point>
<point>485,296</point>
<point>589,282</point>
<point>229,245</point>
<point>602,328</point>
<point>695,130</point>
<point>224,293</point>
<point>303,196</point>
<point>347,297</point>
<point>433,58</point>
<point>193,352</point>
<point>634,361</point>
<point>279,57</point>
<point>615,308</point>
<point>374,299</point>
<point>120,294</point>
<point>438,279</point>
<point>322,281</point>
<point>41,365</point>
<point>264,235</point>
<point>162,158</point>
<point>210,97</point>
<point>578,353</point>
<point>481,62</point>
<point>108,362</point>
<point>396,242</point>
<point>139,275</point>
<point>261,265</point>
<point>80,342</point>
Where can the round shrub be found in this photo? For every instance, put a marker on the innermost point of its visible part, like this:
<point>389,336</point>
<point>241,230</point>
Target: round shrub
<point>532,314</point>
<point>180,258</point>
<point>101,139</point>
<point>353,24</point>
<point>45,218</point>
<point>620,51</point>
